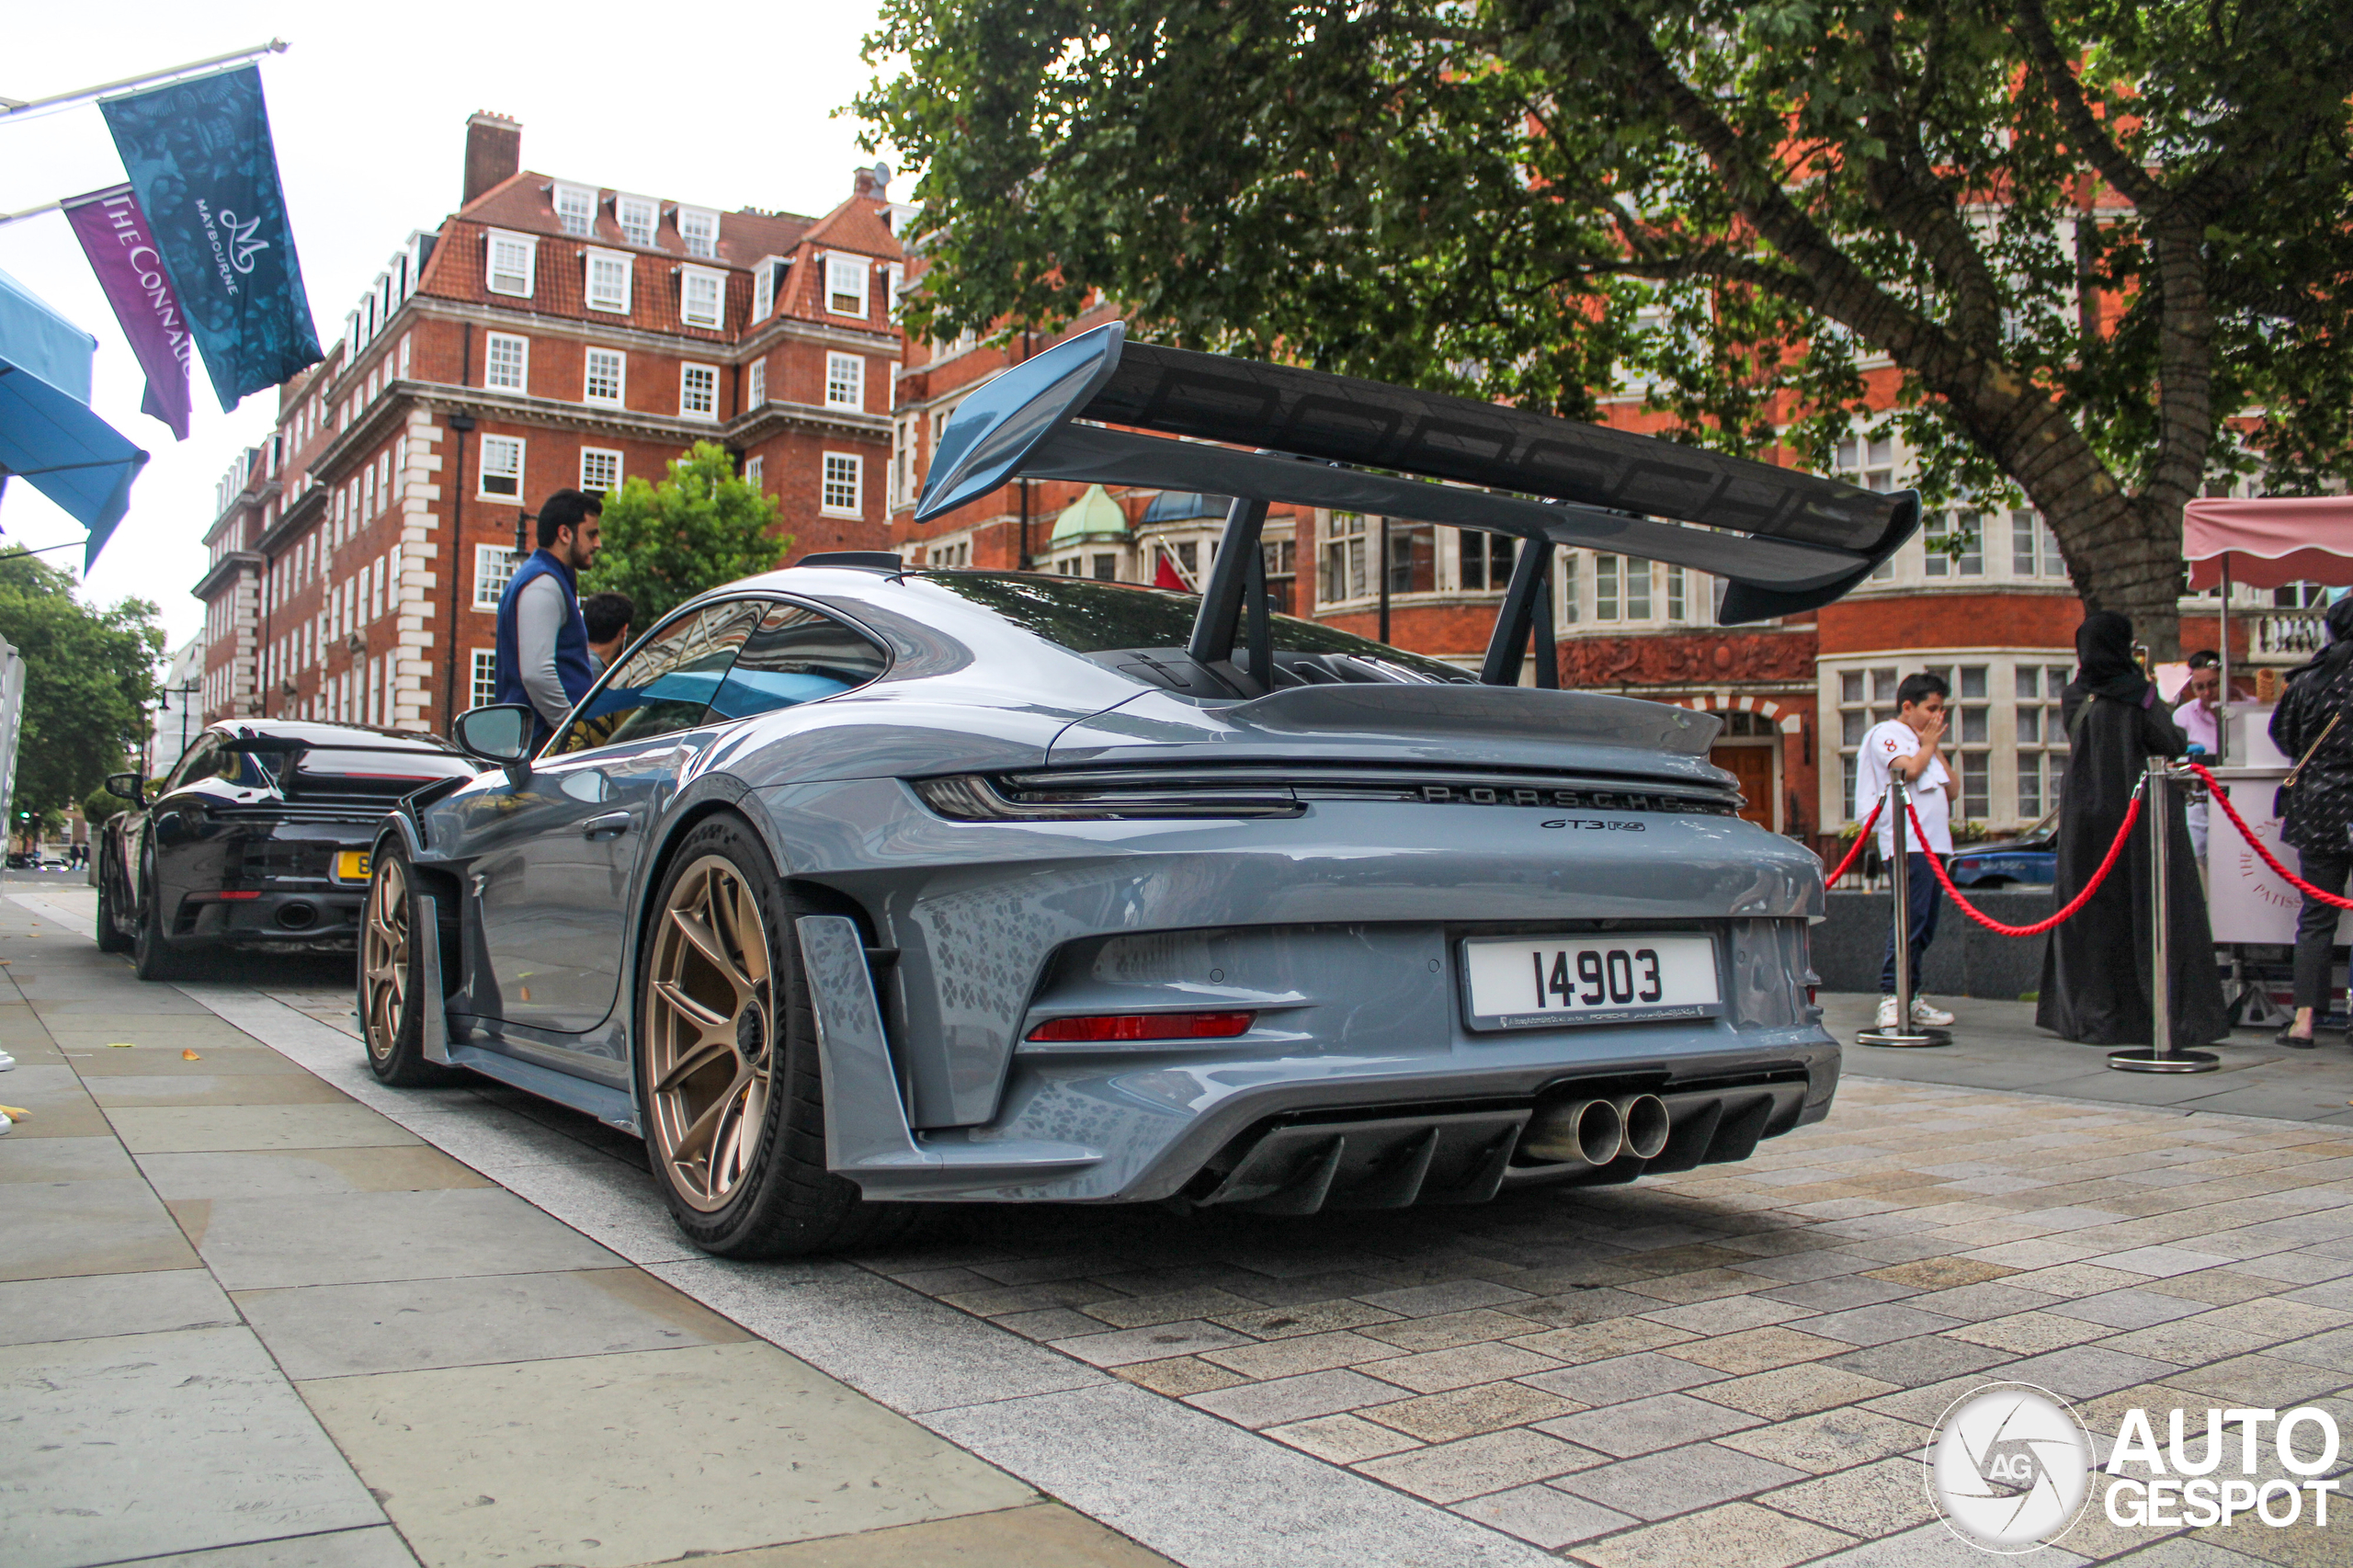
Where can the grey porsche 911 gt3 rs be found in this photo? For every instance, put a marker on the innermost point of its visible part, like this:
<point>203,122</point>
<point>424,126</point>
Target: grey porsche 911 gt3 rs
<point>852,885</point>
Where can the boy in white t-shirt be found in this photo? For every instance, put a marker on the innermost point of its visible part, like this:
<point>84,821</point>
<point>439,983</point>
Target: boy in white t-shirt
<point>1906,747</point>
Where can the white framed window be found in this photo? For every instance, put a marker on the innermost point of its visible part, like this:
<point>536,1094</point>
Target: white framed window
<point>506,361</point>
<point>895,275</point>
<point>502,466</point>
<point>699,392</point>
<point>702,295</point>
<point>845,381</point>
<point>1342,571</point>
<point>600,469</point>
<point>609,281</point>
<point>576,209</point>
<point>1946,532</point>
<point>604,378</point>
<point>637,216</point>
<point>845,285</point>
<point>755,470</point>
<point>484,685</point>
<point>2034,550</point>
<point>493,567</point>
<point>764,287</point>
<point>755,383</point>
<point>842,494</point>
<point>699,228</point>
<point>514,263</point>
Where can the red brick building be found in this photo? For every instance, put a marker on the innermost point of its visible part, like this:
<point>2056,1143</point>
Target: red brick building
<point>548,334</point>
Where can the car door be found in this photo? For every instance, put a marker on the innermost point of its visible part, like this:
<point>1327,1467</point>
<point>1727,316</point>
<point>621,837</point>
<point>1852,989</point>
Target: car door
<point>554,853</point>
<point>163,877</point>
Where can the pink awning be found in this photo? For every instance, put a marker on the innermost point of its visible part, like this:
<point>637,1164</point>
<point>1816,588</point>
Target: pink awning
<point>2270,541</point>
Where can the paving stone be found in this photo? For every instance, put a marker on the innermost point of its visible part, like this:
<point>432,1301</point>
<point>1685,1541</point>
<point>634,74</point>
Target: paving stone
<point>1839,1293</point>
<point>1794,1390</point>
<point>1644,1426</point>
<point>2087,1371</point>
<point>1495,1461</point>
<point>1974,1303</point>
<point>1448,1330</point>
<point>1877,1325</point>
<point>2295,1267</point>
<point>2029,1333</point>
<point>2158,1261</point>
<point>1430,1301</point>
<point>1464,1413</point>
<point>347,1238</point>
<point>2333,1350</point>
<point>1623,1377</point>
<point>1698,1285</point>
<point>1736,1533</point>
<point>94,1306</point>
<point>1177,1376</point>
<point>2127,1308</point>
<point>1542,1516</point>
<point>2275,1320</point>
<point>1309,1353</point>
<point>1676,1480</point>
<point>1437,1370</point>
<point>1052,1324</point>
<point>1939,1273</point>
<point>1758,1350</point>
<point>1150,1311</point>
<point>1600,1341</point>
<point>1595,1305</point>
<point>1832,1440</point>
<point>1909,1363</point>
<point>1341,1439</point>
<point>1727,1315</point>
<point>1284,1400</point>
<point>1157,1343</point>
<point>2073,1280</point>
<point>1309,1317</point>
<point>64,1229</point>
<point>1871,1501</point>
<point>1802,1266</point>
<point>2184,1343</point>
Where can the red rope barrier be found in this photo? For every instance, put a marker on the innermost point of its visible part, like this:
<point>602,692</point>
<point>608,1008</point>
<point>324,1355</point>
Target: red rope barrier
<point>2221,798</point>
<point>1830,879</point>
<point>2131,814</point>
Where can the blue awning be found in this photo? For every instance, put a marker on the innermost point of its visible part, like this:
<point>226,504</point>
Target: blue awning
<point>49,436</point>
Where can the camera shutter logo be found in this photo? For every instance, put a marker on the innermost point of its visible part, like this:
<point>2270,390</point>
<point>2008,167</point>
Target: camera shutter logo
<point>2009,1468</point>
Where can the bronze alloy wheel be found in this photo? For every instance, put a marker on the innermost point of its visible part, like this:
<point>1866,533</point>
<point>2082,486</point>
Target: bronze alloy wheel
<point>709,1033</point>
<point>384,959</point>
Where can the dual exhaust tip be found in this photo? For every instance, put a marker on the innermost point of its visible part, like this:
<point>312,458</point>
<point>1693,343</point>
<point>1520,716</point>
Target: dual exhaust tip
<point>1594,1132</point>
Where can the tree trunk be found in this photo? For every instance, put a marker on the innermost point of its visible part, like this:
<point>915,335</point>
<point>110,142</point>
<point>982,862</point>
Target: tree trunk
<point>2124,554</point>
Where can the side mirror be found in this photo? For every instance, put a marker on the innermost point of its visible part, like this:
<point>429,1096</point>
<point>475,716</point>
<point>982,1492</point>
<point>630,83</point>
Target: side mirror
<point>125,784</point>
<point>501,734</point>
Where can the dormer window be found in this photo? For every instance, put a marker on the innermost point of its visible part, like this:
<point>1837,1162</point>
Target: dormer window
<point>609,281</point>
<point>514,263</point>
<point>576,209</point>
<point>702,293</point>
<point>764,287</point>
<point>845,285</point>
<point>637,216</point>
<point>699,228</point>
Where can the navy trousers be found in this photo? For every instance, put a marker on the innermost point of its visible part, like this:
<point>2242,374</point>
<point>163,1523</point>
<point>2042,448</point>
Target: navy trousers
<point>1927,898</point>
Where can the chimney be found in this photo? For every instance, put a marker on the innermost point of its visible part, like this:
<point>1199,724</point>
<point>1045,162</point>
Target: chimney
<point>494,153</point>
<point>874,183</point>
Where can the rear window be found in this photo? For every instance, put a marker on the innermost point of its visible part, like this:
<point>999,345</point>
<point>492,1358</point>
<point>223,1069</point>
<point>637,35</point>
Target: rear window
<point>1090,617</point>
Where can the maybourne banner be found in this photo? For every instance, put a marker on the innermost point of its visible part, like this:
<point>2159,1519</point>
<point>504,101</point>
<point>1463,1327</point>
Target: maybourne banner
<point>121,248</point>
<point>200,158</point>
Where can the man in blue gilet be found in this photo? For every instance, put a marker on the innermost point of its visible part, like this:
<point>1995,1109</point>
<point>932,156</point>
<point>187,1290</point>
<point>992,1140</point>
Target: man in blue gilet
<point>543,641</point>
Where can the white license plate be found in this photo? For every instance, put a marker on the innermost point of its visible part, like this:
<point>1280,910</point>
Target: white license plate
<point>1519,983</point>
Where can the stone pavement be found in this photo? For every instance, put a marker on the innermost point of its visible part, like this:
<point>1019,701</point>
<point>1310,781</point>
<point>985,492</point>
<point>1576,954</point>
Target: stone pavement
<point>1996,1046</point>
<point>1738,1365</point>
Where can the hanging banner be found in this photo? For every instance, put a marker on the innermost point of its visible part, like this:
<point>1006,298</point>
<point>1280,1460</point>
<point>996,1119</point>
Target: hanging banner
<point>122,249</point>
<point>200,159</point>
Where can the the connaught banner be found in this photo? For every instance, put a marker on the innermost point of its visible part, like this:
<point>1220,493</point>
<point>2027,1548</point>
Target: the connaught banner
<point>115,236</point>
<point>200,160</point>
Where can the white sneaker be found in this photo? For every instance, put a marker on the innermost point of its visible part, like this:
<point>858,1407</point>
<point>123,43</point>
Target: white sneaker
<point>5,1125</point>
<point>1887,1012</point>
<point>1925,1017</point>
<point>6,1062</point>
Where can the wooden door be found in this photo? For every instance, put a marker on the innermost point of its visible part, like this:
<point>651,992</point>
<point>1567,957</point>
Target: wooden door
<point>1753,766</point>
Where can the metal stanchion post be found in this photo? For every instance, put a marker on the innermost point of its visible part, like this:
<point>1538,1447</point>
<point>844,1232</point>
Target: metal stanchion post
<point>2159,1056</point>
<point>1905,1032</point>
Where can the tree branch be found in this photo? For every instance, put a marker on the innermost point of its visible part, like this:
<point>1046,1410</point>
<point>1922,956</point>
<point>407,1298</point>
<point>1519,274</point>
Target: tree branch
<point>2066,95</point>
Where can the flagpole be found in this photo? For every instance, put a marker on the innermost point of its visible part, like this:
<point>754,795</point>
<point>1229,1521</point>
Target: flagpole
<point>10,107</point>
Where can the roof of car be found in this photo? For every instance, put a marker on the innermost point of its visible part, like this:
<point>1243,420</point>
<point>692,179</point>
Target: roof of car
<point>323,735</point>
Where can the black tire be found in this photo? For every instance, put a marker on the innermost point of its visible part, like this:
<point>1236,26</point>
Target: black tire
<point>152,953</point>
<point>110,936</point>
<point>781,1201</point>
<point>391,999</point>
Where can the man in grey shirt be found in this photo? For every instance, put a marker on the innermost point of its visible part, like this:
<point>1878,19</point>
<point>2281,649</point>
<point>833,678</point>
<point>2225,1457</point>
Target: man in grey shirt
<point>542,655</point>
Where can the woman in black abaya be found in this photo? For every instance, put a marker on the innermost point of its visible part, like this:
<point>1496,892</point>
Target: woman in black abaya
<point>2096,970</point>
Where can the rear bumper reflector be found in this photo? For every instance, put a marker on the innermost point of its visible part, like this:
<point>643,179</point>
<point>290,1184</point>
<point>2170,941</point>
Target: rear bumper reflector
<point>1143,1025</point>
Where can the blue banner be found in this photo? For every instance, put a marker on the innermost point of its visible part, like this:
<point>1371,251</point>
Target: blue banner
<point>200,159</point>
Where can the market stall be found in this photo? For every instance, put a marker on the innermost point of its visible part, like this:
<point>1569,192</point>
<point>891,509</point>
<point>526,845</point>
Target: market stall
<point>2266,542</point>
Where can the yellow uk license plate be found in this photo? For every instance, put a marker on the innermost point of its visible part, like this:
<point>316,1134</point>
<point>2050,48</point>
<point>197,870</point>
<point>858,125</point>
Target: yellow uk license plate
<point>351,865</point>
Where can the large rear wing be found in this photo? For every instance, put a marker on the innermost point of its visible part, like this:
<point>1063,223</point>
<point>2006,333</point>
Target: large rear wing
<point>1784,541</point>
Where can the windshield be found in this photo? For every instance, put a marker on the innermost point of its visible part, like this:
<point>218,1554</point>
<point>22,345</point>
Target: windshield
<point>1090,617</point>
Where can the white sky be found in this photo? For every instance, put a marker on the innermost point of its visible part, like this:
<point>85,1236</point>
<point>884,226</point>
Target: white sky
<point>369,110</point>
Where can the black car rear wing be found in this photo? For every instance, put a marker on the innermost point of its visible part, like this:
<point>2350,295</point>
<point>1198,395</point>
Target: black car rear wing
<point>292,748</point>
<point>1784,541</point>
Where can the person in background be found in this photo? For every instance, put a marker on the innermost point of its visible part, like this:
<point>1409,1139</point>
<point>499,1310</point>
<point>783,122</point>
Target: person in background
<point>1906,747</point>
<point>542,658</point>
<point>2199,717</point>
<point>2320,807</point>
<point>606,616</point>
<point>2096,970</point>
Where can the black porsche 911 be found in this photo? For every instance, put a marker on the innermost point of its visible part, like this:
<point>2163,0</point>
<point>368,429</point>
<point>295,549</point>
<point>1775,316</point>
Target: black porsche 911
<point>258,839</point>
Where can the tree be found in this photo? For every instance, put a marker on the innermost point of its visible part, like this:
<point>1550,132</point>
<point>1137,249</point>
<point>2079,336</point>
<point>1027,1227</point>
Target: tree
<point>88,676</point>
<point>700,527</point>
<point>2089,235</point>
